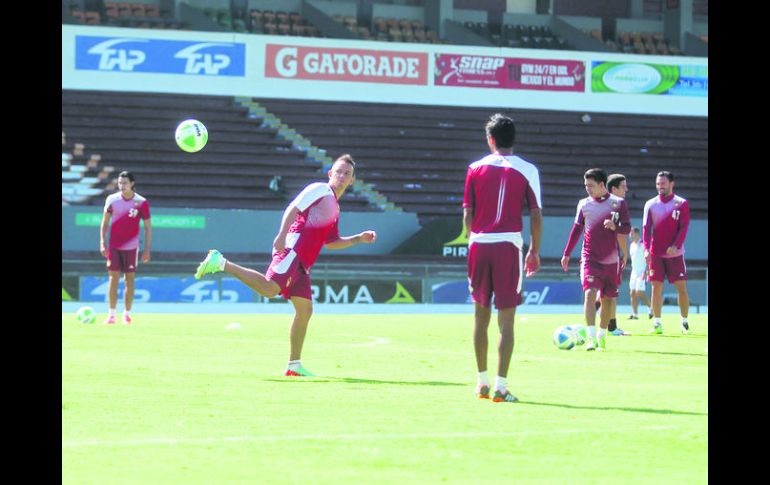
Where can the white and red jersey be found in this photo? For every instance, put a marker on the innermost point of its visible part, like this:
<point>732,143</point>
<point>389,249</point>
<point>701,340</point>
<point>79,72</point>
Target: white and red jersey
<point>496,188</point>
<point>316,223</point>
<point>124,232</point>
<point>600,245</point>
<point>665,224</point>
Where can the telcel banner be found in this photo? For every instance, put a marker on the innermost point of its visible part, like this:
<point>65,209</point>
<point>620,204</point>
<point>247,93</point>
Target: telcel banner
<point>637,78</point>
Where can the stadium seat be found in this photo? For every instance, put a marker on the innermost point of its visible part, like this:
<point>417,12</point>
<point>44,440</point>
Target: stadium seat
<point>138,10</point>
<point>79,16</point>
<point>124,9</point>
<point>111,10</point>
<point>152,10</point>
<point>93,18</point>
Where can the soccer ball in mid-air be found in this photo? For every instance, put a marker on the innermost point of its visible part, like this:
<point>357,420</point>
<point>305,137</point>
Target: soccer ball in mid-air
<point>563,338</point>
<point>580,333</point>
<point>191,136</point>
<point>86,314</point>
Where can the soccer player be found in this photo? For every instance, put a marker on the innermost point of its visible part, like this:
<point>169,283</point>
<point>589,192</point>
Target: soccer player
<point>618,186</point>
<point>124,208</point>
<point>638,278</point>
<point>600,218</point>
<point>308,224</point>
<point>496,188</point>
<point>664,228</point>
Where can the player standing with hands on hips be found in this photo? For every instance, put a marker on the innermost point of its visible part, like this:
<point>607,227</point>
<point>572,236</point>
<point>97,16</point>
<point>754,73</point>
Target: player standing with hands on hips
<point>600,218</point>
<point>664,228</point>
<point>308,224</point>
<point>125,209</point>
<point>496,188</point>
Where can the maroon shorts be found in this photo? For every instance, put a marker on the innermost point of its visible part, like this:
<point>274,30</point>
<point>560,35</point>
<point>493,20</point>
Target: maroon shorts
<point>286,270</point>
<point>495,268</point>
<point>673,267</point>
<point>122,260</point>
<point>602,277</point>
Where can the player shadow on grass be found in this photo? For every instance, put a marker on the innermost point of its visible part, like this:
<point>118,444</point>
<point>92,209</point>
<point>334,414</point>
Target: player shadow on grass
<point>351,380</point>
<point>610,408</point>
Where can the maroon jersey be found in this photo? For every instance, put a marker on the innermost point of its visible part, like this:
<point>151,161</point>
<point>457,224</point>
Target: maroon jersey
<point>665,224</point>
<point>600,245</point>
<point>496,188</point>
<point>316,223</point>
<point>124,232</point>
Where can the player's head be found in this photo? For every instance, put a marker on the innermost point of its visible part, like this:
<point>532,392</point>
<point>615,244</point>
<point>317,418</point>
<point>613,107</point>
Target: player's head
<point>664,182</point>
<point>595,182</point>
<point>501,132</point>
<point>126,182</point>
<point>342,173</point>
<point>635,234</point>
<point>617,185</point>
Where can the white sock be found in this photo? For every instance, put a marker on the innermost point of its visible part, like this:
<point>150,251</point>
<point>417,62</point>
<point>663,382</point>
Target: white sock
<point>591,331</point>
<point>602,332</point>
<point>501,383</point>
<point>684,319</point>
<point>222,263</point>
<point>634,314</point>
<point>126,312</point>
<point>294,364</point>
<point>111,312</point>
<point>483,378</point>
<point>657,321</point>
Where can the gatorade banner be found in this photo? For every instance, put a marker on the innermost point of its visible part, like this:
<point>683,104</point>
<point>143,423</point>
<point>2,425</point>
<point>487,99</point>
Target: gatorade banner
<point>509,73</point>
<point>638,78</point>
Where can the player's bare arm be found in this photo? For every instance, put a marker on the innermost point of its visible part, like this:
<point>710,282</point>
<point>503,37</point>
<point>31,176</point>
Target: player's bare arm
<point>103,234</point>
<point>623,243</point>
<point>147,240</point>
<point>366,237</point>
<point>289,215</point>
<point>532,261</point>
<point>467,221</point>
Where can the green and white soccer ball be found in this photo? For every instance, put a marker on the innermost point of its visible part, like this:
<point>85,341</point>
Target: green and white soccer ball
<point>191,136</point>
<point>86,314</point>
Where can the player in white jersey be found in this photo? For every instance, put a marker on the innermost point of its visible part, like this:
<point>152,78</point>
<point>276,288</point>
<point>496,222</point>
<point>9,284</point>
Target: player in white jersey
<point>637,281</point>
<point>309,223</point>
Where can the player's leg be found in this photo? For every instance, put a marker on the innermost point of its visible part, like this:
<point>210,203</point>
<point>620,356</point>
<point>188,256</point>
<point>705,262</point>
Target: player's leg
<point>112,295</point>
<point>480,282</point>
<point>128,297</point>
<point>505,317</point>
<point>657,276</point>
<point>508,280</point>
<point>634,305</point>
<point>684,303</point>
<point>589,312</point>
<point>300,295</point>
<point>253,279</point>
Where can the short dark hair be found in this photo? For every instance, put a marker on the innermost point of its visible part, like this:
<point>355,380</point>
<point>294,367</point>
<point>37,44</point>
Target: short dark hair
<point>614,181</point>
<point>502,130</point>
<point>667,174</point>
<point>347,158</point>
<point>126,174</point>
<point>635,230</point>
<point>597,174</point>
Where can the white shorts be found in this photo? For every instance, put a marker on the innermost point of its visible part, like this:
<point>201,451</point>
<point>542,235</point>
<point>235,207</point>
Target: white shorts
<point>636,282</point>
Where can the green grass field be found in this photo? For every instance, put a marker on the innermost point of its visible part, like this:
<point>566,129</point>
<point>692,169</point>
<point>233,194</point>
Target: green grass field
<point>180,399</point>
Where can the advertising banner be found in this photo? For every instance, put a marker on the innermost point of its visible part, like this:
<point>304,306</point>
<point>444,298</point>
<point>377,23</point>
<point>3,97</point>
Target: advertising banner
<point>190,290</point>
<point>509,73</point>
<point>338,64</point>
<point>638,78</point>
<point>128,54</point>
<point>535,292</point>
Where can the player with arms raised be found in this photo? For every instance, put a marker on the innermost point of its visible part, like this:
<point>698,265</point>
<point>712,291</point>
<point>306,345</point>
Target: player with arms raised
<point>600,218</point>
<point>309,223</point>
<point>496,188</point>
<point>664,228</point>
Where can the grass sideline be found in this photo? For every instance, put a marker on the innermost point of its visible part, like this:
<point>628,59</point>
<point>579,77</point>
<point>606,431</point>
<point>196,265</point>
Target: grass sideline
<point>180,399</point>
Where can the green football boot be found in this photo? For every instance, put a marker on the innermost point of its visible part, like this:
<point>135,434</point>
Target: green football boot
<point>209,265</point>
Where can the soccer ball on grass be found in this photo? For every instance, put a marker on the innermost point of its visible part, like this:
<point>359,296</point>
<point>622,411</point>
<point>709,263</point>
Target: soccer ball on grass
<point>580,332</point>
<point>563,338</point>
<point>86,314</point>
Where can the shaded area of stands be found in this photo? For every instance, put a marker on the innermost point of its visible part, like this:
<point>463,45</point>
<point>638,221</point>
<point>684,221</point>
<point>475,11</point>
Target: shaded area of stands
<point>417,155</point>
<point>135,132</point>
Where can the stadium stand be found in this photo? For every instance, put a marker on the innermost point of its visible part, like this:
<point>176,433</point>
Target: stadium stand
<point>281,23</point>
<point>134,131</point>
<point>417,155</point>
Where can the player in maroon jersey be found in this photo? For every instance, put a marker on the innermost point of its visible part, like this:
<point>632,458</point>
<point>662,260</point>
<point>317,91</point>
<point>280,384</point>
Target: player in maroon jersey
<point>124,209</point>
<point>664,229</point>
<point>600,218</point>
<point>309,223</point>
<point>496,188</point>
